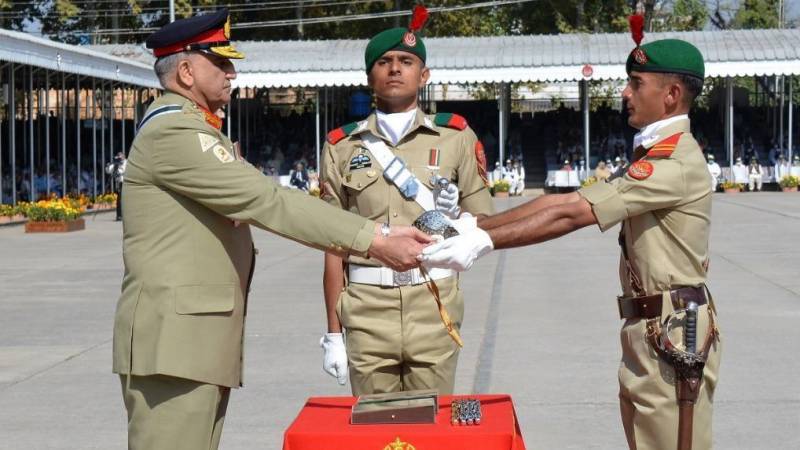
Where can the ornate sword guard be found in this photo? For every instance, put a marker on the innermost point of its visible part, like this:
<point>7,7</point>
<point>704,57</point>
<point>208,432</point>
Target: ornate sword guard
<point>435,223</point>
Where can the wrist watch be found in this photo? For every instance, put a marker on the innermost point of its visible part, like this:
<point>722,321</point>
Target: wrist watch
<point>386,229</point>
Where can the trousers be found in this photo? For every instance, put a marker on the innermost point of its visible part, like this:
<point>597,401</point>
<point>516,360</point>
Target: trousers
<point>169,413</point>
<point>395,338</point>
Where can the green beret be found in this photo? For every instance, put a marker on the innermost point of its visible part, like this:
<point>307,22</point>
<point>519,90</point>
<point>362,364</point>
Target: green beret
<point>667,56</point>
<point>393,39</point>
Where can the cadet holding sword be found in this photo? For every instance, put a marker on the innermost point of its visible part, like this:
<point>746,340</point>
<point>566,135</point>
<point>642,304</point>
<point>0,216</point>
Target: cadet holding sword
<point>663,201</point>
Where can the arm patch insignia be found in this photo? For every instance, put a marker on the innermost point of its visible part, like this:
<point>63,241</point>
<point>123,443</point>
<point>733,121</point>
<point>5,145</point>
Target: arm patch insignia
<point>480,155</point>
<point>640,170</point>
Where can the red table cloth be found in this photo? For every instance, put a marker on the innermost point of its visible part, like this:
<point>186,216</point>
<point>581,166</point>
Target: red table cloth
<point>324,424</point>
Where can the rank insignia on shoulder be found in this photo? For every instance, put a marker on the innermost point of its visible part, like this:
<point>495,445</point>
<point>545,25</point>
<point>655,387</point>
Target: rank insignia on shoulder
<point>222,154</point>
<point>340,133</point>
<point>206,141</point>
<point>360,161</point>
<point>640,170</point>
<point>450,120</point>
<point>664,148</point>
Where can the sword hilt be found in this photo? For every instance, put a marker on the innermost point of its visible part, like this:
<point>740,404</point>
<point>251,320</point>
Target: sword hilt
<point>691,327</point>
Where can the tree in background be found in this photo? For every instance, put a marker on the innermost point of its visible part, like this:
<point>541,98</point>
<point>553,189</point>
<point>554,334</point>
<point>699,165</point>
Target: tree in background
<point>102,21</point>
<point>754,14</point>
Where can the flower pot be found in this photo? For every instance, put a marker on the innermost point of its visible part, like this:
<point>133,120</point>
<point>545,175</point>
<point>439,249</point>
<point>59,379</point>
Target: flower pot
<point>62,226</point>
<point>732,191</point>
<point>501,194</point>
<point>790,189</point>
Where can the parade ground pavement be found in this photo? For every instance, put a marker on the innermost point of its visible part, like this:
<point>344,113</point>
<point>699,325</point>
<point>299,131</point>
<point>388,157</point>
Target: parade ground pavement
<point>541,325</point>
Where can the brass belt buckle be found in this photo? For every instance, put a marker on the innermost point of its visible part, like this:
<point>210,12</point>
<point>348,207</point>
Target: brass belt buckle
<point>402,278</point>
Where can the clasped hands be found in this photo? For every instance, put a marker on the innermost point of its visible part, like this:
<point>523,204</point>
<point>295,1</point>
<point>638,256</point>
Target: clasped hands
<point>406,247</point>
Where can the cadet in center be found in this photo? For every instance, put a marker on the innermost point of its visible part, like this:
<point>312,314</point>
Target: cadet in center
<point>385,168</point>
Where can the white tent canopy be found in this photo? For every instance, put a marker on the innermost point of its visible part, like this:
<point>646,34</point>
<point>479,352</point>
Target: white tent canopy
<point>503,59</point>
<point>22,48</point>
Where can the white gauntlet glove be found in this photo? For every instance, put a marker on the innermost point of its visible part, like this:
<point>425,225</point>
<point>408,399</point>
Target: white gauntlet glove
<point>447,201</point>
<point>334,360</point>
<point>459,252</point>
<point>465,223</point>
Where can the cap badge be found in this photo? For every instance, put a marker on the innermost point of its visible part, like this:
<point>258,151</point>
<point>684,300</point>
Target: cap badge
<point>227,29</point>
<point>409,39</point>
<point>640,56</point>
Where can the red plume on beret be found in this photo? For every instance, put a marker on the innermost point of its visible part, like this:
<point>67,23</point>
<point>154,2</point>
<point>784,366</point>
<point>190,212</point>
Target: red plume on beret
<point>418,18</point>
<point>636,22</point>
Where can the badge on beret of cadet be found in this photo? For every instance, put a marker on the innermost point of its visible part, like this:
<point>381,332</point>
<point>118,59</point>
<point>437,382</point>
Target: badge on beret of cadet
<point>418,18</point>
<point>664,148</point>
<point>640,170</point>
<point>208,32</point>
<point>636,22</point>
<point>405,39</point>
<point>662,56</point>
<point>480,156</point>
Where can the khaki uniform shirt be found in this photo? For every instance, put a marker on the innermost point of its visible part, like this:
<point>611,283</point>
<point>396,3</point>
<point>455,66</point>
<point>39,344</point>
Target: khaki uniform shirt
<point>664,203</point>
<point>353,180</point>
<point>187,263</point>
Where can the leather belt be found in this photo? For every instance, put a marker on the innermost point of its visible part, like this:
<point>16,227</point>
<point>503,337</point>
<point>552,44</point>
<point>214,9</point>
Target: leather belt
<point>386,277</point>
<point>649,306</point>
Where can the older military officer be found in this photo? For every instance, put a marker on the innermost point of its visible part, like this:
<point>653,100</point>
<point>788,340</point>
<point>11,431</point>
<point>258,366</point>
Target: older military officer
<point>383,168</point>
<point>188,250</point>
<point>663,201</point>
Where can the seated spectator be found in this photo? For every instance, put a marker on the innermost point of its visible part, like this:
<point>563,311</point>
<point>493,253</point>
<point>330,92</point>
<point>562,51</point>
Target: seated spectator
<point>601,172</point>
<point>617,165</point>
<point>756,174</point>
<point>298,177</point>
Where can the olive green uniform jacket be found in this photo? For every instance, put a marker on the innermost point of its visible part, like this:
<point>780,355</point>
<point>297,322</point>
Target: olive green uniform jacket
<point>188,250</point>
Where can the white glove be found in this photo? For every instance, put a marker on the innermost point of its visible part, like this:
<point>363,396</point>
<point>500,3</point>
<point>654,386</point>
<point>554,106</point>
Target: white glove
<point>459,252</point>
<point>465,223</point>
<point>334,360</point>
<point>447,201</point>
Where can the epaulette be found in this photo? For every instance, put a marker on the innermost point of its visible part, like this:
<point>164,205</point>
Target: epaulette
<point>342,132</point>
<point>450,120</point>
<point>664,148</point>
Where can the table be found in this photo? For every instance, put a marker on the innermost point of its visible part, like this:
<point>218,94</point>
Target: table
<point>324,423</point>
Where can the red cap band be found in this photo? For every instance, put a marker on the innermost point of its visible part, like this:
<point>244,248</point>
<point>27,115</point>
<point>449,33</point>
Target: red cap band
<point>206,37</point>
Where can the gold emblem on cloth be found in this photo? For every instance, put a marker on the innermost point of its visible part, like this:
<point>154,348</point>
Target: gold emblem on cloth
<point>399,445</point>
